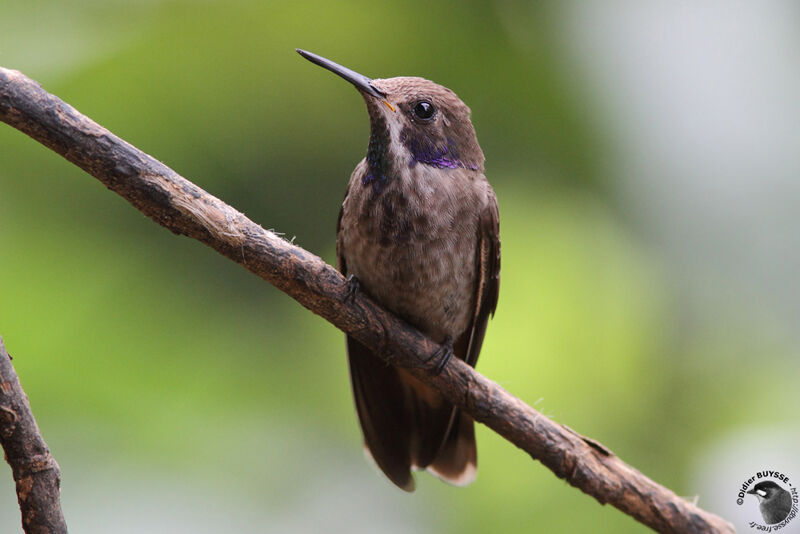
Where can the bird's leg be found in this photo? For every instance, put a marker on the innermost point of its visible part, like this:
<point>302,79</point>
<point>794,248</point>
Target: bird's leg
<point>442,356</point>
<point>353,287</point>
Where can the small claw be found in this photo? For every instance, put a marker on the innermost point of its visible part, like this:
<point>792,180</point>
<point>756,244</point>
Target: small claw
<point>353,287</point>
<point>443,355</point>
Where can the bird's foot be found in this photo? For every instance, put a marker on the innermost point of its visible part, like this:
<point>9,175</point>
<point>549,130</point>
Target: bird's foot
<point>353,287</point>
<point>442,356</point>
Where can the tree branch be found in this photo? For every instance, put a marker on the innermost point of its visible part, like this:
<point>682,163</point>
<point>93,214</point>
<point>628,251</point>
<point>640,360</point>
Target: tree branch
<point>179,205</point>
<point>36,473</point>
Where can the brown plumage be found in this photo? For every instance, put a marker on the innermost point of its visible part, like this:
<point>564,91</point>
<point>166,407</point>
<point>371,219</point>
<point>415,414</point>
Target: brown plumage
<point>419,231</point>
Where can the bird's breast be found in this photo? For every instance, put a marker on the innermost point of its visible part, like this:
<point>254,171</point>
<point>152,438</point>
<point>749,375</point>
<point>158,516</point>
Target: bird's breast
<point>412,245</point>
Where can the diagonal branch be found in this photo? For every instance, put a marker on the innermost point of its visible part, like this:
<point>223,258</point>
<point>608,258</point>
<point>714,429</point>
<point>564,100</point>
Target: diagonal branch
<point>179,205</point>
<point>36,473</point>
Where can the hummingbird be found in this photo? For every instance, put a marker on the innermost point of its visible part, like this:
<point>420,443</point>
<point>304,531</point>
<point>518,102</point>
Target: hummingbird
<point>418,232</point>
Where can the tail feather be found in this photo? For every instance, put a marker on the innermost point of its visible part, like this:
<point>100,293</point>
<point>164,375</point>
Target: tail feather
<point>409,425</point>
<point>457,461</point>
<point>431,416</point>
<point>384,419</point>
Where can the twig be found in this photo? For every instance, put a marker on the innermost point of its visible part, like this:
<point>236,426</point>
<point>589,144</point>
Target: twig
<point>36,472</point>
<point>173,202</point>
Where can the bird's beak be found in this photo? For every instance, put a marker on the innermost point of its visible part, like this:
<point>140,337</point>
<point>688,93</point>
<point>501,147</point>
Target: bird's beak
<point>361,82</point>
<point>752,491</point>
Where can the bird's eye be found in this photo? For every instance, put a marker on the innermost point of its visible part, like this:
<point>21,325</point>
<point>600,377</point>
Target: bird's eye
<point>424,110</point>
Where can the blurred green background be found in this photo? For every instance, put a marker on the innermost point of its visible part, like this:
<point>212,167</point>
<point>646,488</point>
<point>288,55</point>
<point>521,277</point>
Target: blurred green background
<point>644,155</point>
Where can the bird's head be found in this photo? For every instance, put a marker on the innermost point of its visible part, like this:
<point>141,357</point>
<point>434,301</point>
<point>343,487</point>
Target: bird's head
<point>412,121</point>
<point>766,490</point>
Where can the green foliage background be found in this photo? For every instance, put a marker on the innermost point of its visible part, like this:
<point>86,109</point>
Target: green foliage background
<point>181,393</point>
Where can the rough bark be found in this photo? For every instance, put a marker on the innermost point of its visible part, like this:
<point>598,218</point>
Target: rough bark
<point>36,473</point>
<point>179,205</point>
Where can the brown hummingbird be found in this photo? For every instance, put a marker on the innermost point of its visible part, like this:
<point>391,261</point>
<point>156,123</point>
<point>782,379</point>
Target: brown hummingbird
<point>419,233</point>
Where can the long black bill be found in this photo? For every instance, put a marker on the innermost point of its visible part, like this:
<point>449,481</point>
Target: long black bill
<point>361,82</point>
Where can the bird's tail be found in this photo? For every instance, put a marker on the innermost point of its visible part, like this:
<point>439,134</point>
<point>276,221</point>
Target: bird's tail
<point>457,461</point>
<point>409,425</point>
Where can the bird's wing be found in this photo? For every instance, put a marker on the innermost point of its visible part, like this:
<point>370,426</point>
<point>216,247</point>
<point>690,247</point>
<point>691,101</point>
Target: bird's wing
<point>456,459</point>
<point>487,281</point>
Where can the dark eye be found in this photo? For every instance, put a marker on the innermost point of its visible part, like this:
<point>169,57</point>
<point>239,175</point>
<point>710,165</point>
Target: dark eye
<point>424,110</point>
